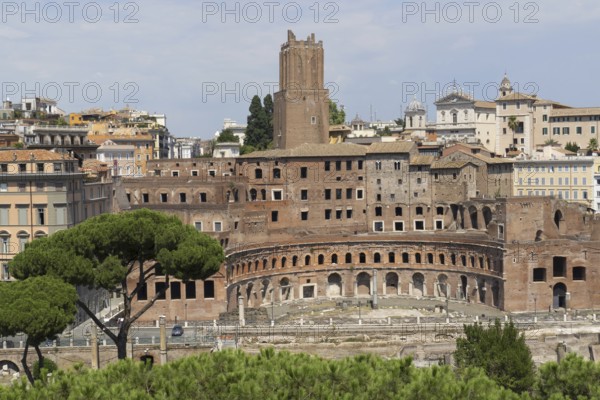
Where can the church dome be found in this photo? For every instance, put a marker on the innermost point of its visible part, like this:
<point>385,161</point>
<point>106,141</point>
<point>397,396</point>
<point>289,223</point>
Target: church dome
<point>415,105</point>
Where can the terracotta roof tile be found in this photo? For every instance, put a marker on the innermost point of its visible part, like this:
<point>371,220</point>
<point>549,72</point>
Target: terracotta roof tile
<point>391,147</point>
<point>311,150</point>
<point>26,155</point>
<point>422,160</point>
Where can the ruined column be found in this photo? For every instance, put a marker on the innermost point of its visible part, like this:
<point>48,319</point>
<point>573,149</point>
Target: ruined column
<point>242,320</point>
<point>94,344</point>
<point>375,303</point>
<point>162,322</point>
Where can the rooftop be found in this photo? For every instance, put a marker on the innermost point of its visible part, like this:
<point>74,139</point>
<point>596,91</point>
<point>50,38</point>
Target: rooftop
<point>311,150</point>
<point>32,155</point>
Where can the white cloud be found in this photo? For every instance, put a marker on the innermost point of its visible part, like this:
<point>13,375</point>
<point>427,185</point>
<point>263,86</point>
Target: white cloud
<point>371,53</point>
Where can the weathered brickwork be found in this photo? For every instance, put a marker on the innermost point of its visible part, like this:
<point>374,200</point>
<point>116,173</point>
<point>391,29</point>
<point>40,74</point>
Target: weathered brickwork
<point>314,220</point>
<point>417,227</point>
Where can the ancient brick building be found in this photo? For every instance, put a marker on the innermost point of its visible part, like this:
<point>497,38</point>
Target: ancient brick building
<point>312,220</point>
<point>301,108</point>
<point>350,221</point>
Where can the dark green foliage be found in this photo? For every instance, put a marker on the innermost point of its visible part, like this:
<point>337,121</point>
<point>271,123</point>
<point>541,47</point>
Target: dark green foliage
<point>572,146</point>
<point>49,366</point>
<point>39,307</point>
<point>227,136</point>
<point>268,375</point>
<point>259,132</point>
<point>500,351</point>
<point>268,106</point>
<point>245,149</point>
<point>336,117</point>
<point>104,251</point>
<point>572,378</point>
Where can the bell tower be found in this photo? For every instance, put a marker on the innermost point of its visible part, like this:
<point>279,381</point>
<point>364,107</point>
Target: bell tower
<point>301,106</point>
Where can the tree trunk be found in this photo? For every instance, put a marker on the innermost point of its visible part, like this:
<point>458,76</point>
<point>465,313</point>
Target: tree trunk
<point>121,343</point>
<point>24,363</point>
<point>40,356</point>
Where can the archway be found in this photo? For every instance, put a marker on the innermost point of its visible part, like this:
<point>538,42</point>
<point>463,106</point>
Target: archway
<point>442,286</point>
<point>463,287</point>
<point>334,285</point>
<point>265,291</point>
<point>249,302</point>
<point>481,291</point>
<point>285,290</point>
<point>559,296</point>
<point>9,365</point>
<point>473,216</point>
<point>391,283</point>
<point>539,236</point>
<point>496,294</point>
<point>418,285</point>
<point>487,216</point>
<point>363,284</point>
<point>558,217</point>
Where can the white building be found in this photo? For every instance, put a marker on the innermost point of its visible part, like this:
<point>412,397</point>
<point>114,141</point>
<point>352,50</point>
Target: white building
<point>460,117</point>
<point>119,157</point>
<point>187,148</point>
<point>237,129</point>
<point>361,128</point>
<point>39,104</point>
<point>226,150</point>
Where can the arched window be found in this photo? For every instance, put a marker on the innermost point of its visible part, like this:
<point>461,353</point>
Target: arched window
<point>418,258</point>
<point>376,258</point>
<point>362,258</point>
<point>391,257</point>
<point>321,259</point>
<point>334,259</point>
<point>348,258</point>
<point>4,242</point>
<point>294,261</point>
<point>405,258</point>
<point>307,260</point>
<point>23,239</point>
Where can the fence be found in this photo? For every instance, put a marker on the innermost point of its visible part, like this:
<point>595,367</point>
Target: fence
<point>230,333</point>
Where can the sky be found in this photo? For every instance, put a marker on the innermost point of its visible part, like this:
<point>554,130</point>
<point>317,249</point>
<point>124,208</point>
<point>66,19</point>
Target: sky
<point>200,62</point>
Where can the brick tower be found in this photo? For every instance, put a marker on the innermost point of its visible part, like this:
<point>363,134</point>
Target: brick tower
<point>301,109</point>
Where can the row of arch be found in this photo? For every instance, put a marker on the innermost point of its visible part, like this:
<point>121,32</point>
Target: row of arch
<point>364,284</point>
<point>10,246</point>
<point>60,140</point>
<point>485,263</point>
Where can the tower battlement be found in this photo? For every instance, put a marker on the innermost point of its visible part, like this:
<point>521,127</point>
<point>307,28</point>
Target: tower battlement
<point>301,109</point>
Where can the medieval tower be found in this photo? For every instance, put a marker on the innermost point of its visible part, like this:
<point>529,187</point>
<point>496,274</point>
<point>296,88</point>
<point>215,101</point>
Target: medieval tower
<point>301,109</point>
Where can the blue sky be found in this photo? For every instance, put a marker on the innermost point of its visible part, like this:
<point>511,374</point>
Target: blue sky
<point>178,57</point>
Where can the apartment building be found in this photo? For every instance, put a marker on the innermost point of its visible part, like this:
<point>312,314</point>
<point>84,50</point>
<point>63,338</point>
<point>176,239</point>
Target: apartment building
<point>42,192</point>
<point>559,173</point>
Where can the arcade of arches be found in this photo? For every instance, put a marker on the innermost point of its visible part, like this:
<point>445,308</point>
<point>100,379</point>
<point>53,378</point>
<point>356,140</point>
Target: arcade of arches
<point>470,273</point>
